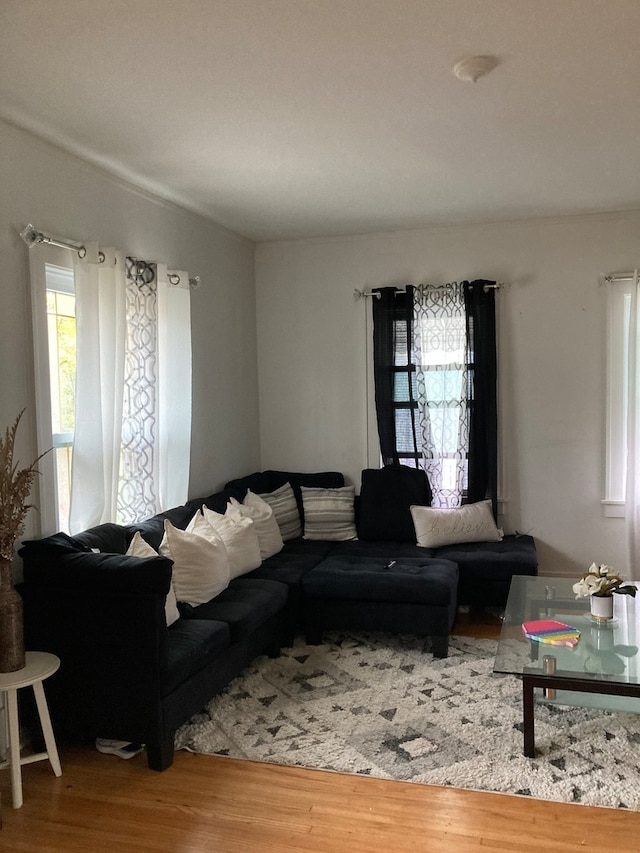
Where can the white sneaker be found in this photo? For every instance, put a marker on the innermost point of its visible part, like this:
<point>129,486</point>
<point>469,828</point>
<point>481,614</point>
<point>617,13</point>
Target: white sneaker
<point>121,748</point>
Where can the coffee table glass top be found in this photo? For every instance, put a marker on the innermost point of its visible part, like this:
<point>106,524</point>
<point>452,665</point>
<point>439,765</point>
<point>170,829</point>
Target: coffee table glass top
<point>607,651</point>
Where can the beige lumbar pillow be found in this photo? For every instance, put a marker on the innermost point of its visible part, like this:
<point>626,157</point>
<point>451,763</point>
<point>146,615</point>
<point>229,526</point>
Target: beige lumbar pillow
<point>436,527</point>
<point>138,547</point>
<point>240,539</point>
<point>264,521</point>
<point>200,566</point>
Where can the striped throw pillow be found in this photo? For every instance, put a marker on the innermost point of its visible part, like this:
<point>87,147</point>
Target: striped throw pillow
<point>285,509</point>
<point>329,513</point>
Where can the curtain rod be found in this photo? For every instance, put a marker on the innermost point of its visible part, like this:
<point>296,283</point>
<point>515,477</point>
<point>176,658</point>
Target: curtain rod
<point>31,236</point>
<point>611,278</point>
<point>363,294</point>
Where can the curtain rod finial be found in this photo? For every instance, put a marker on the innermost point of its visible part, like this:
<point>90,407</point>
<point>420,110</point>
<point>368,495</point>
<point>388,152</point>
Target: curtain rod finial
<point>30,236</point>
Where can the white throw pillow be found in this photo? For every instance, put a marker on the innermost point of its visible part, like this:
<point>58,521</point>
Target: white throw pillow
<point>138,547</point>
<point>200,566</point>
<point>264,521</point>
<point>240,540</point>
<point>329,513</point>
<point>285,509</point>
<point>436,527</point>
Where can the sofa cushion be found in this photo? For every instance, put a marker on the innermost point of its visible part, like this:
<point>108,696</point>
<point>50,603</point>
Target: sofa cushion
<point>200,566</point>
<point>107,538</point>
<point>245,605</point>
<point>436,527</point>
<point>486,568</point>
<point>286,567</point>
<point>269,481</point>
<point>152,529</point>
<point>285,509</point>
<point>258,482</point>
<point>386,495</point>
<point>427,580</point>
<point>191,645</point>
<point>382,548</point>
<point>329,513</point>
<point>218,501</point>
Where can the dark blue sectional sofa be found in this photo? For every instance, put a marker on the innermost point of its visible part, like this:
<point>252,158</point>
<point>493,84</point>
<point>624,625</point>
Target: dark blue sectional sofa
<point>125,675</point>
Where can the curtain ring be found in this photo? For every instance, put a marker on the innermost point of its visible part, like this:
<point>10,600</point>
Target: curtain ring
<point>82,252</point>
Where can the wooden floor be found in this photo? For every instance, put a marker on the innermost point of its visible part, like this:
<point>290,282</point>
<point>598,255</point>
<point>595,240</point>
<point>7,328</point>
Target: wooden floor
<point>204,803</point>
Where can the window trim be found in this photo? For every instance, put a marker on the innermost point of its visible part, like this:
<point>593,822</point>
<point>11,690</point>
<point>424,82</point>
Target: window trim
<point>40,256</point>
<point>618,306</point>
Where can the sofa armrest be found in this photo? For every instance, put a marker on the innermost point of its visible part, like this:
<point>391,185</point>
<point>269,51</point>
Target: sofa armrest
<point>103,615</point>
<point>97,572</point>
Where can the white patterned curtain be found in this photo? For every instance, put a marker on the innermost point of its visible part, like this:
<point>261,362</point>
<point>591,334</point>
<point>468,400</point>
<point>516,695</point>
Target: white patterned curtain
<point>439,328</point>
<point>132,437</point>
<point>632,496</point>
<point>156,426</point>
<point>100,346</point>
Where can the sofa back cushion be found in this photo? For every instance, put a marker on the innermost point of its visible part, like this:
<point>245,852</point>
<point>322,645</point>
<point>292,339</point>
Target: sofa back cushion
<point>152,529</point>
<point>217,502</point>
<point>386,495</point>
<point>107,538</point>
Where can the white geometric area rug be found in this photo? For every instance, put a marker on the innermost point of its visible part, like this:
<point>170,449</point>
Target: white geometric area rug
<point>377,705</point>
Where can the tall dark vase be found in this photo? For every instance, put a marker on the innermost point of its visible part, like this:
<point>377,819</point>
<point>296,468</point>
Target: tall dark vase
<point>12,655</point>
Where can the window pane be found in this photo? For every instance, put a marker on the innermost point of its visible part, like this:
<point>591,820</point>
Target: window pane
<point>619,307</point>
<point>61,329</point>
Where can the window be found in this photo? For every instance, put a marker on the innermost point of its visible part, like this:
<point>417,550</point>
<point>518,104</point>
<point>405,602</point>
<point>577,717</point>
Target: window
<point>405,392</point>
<point>434,357</point>
<point>618,316</point>
<point>54,325</point>
<point>441,371</point>
<point>61,334</point>
<point>113,393</point>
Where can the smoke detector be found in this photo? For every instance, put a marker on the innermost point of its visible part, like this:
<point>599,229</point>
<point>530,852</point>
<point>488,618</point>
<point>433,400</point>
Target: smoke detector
<point>471,68</point>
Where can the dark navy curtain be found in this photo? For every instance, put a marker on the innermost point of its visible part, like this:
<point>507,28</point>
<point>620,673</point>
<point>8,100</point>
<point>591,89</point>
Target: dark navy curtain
<point>394,376</point>
<point>479,298</point>
<point>392,327</point>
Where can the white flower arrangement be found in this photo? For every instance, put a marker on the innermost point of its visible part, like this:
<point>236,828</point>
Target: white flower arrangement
<point>601,581</point>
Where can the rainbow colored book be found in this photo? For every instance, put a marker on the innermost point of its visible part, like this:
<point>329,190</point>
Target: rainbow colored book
<point>552,632</point>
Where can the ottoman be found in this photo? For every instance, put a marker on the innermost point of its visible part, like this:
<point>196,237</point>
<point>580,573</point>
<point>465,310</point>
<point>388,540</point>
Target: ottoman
<point>403,596</point>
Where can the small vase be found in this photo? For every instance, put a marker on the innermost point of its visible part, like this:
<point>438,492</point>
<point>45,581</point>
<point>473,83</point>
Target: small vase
<point>12,656</point>
<point>602,607</point>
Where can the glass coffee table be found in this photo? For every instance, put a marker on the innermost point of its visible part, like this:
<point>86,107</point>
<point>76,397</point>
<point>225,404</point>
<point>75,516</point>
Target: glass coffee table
<point>602,671</point>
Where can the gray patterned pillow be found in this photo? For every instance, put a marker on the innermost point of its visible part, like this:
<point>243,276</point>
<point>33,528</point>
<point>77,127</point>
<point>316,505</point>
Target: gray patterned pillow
<point>285,509</point>
<point>329,513</point>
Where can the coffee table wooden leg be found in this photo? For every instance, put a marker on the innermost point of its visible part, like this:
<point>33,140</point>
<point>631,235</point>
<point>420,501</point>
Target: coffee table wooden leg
<point>527,718</point>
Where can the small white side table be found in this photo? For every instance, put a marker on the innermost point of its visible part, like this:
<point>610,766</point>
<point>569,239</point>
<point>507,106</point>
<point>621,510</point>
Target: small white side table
<point>39,665</point>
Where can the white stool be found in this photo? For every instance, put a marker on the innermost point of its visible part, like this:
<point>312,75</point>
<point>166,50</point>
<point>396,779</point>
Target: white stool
<point>39,665</point>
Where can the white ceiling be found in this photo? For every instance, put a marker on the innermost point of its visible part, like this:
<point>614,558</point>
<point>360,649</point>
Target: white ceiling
<point>292,118</point>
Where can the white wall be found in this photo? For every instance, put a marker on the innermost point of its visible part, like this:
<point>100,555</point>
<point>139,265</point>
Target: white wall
<point>312,335</point>
<point>62,195</point>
